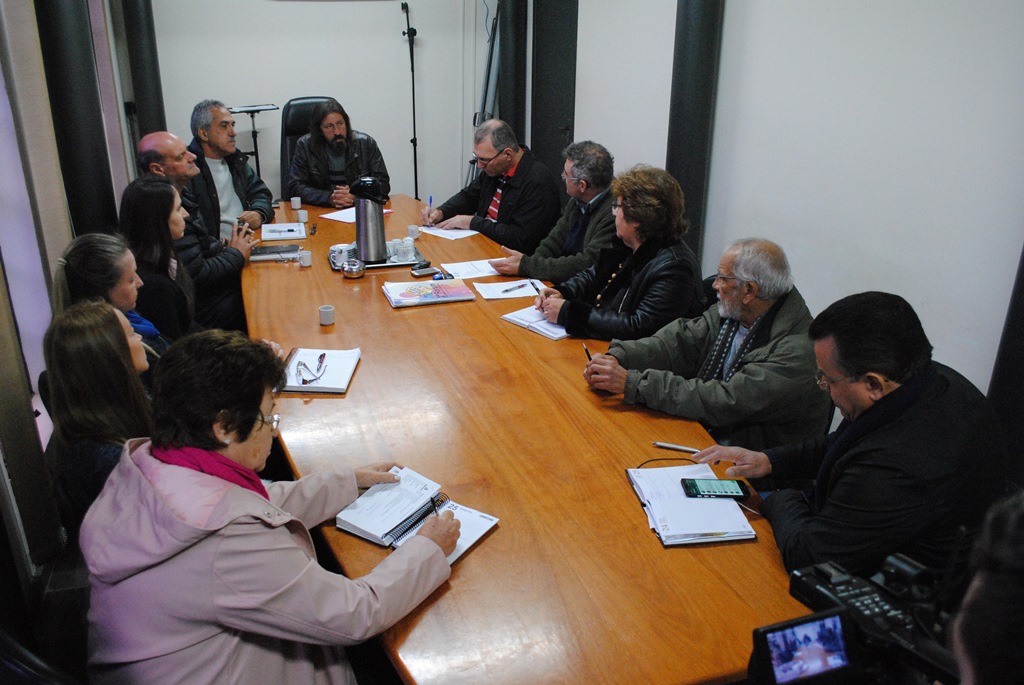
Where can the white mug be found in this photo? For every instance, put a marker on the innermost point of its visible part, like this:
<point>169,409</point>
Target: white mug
<point>305,258</point>
<point>303,216</point>
<point>326,315</point>
<point>414,231</point>
<point>296,203</point>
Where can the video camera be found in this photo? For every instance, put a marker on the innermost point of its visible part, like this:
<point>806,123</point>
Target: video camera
<point>889,629</point>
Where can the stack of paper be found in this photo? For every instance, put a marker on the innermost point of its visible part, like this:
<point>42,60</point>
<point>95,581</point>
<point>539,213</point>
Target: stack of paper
<point>533,319</point>
<point>682,520</point>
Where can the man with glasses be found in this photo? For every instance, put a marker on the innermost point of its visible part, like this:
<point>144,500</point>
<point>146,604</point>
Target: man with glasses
<point>514,202</point>
<point>331,157</point>
<point>918,455</point>
<point>586,225</point>
<point>744,369</point>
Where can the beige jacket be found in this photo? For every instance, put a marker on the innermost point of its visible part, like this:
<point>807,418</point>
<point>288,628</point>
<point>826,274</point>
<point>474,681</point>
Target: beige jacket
<point>196,580</point>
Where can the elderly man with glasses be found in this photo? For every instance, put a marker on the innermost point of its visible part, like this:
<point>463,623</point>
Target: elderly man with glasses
<point>744,369</point>
<point>916,462</point>
<point>514,202</point>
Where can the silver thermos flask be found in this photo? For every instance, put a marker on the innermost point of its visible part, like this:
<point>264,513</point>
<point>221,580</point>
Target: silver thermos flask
<point>371,245</point>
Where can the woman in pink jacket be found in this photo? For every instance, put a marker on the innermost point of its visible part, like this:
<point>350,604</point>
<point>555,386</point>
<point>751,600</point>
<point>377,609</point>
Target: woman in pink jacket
<point>200,572</point>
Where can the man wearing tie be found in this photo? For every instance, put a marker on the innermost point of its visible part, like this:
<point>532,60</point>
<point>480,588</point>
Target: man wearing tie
<point>586,225</point>
<point>514,202</point>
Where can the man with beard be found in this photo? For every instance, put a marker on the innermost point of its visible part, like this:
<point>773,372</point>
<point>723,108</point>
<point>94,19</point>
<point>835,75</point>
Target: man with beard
<point>226,187</point>
<point>331,157</point>
<point>744,369</point>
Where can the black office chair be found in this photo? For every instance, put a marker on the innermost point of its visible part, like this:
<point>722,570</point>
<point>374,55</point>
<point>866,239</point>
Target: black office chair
<point>294,124</point>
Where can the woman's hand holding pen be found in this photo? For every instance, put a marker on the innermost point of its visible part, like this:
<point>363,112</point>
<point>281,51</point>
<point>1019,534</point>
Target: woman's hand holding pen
<point>549,302</point>
<point>442,529</point>
<point>604,373</point>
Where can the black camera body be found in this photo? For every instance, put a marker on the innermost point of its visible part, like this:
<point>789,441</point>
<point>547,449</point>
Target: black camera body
<point>883,630</point>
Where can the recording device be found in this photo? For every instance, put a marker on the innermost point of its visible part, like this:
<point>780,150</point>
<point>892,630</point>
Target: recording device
<point>714,487</point>
<point>893,613</point>
<point>820,648</point>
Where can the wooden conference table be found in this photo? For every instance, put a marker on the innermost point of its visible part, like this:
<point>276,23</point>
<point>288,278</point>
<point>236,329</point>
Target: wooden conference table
<point>572,586</point>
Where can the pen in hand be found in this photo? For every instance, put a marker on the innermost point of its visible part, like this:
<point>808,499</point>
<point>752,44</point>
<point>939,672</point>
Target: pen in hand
<point>589,358</point>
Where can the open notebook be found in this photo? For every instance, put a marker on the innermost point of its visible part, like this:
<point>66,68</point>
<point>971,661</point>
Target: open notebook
<point>390,513</point>
<point>681,520</point>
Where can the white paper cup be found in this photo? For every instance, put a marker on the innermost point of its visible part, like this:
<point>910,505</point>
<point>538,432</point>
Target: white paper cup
<point>305,258</point>
<point>326,315</point>
<point>296,202</point>
<point>303,216</point>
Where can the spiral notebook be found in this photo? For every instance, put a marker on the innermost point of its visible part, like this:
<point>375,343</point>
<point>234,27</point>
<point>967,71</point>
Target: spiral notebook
<point>389,514</point>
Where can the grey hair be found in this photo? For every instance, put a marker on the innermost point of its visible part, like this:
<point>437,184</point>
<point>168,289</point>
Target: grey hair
<point>202,117</point>
<point>500,134</point>
<point>763,262</point>
<point>591,162</point>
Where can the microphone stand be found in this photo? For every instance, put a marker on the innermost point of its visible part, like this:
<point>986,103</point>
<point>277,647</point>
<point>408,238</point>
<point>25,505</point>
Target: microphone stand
<point>411,33</point>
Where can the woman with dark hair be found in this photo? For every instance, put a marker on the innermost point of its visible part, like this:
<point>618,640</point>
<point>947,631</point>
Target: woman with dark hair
<point>99,266</point>
<point>151,218</point>
<point>989,628</point>
<point>97,402</point>
<point>331,157</point>
<point>218,568</point>
<point>645,279</point>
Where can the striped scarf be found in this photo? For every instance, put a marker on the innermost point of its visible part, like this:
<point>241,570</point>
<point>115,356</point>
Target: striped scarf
<point>714,368</point>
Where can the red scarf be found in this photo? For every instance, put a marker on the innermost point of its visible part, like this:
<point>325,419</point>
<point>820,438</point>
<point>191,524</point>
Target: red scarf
<point>212,464</point>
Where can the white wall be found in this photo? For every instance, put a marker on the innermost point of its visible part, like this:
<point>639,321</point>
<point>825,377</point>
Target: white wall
<point>881,144</point>
<point>624,77</point>
<point>268,51</point>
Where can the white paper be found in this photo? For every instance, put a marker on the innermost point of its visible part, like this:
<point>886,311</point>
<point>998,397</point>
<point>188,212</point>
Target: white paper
<point>283,232</point>
<point>474,269</point>
<point>497,291</point>
<point>347,216</point>
<point>474,525</point>
<point>679,519</point>
<point>385,505</point>
<point>448,233</point>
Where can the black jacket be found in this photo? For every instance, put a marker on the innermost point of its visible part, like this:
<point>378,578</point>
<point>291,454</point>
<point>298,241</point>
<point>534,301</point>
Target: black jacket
<point>250,188</point>
<point>309,175</point>
<point>216,273</point>
<point>904,475</point>
<point>529,205</point>
<point>653,286</point>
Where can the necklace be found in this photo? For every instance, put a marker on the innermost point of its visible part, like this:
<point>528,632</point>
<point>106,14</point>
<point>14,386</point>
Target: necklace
<point>597,300</point>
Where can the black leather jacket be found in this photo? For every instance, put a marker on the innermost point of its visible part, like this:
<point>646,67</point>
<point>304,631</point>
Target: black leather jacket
<point>249,187</point>
<point>309,177</point>
<point>653,286</point>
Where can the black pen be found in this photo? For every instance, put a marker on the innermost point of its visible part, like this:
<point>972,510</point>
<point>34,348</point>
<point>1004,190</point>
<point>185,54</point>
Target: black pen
<point>587,350</point>
<point>320,361</point>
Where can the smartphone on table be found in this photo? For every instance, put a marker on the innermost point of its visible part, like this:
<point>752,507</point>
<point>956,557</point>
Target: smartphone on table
<point>715,487</point>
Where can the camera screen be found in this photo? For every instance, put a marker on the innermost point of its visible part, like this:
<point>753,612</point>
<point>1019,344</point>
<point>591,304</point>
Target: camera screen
<point>807,650</point>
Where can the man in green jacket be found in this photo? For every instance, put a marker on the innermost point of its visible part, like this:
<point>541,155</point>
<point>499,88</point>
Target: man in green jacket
<point>586,225</point>
<point>745,369</point>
